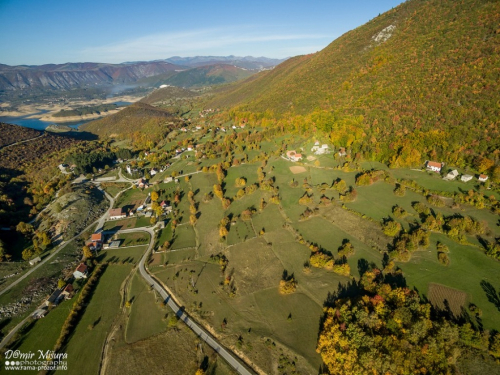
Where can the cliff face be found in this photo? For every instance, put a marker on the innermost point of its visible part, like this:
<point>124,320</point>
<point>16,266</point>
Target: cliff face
<point>66,76</point>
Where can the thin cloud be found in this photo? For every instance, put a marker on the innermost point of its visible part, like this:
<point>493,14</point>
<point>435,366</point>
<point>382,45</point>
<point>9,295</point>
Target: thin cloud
<point>212,41</point>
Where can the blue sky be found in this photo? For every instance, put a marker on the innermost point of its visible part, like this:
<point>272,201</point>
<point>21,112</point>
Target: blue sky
<point>37,32</point>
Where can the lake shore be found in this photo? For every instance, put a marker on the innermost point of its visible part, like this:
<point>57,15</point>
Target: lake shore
<point>45,112</point>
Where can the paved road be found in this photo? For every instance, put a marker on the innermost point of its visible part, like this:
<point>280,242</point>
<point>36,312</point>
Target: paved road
<point>202,334</point>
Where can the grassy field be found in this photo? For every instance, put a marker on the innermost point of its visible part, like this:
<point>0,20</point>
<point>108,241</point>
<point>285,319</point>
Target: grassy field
<point>43,333</point>
<point>132,198</point>
<point>113,188</point>
<point>99,314</point>
<point>467,268</point>
<point>132,239</point>
<point>128,255</point>
<point>147,312</point>
<point>184,237</point>
<point>134,222</point>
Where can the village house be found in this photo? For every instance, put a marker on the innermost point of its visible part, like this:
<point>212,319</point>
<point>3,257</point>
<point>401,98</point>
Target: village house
<point>434,166</point>
<point>153,171</point>
<point>117,213</point>
<point>62,167</point>
<point>142,183</point>
<point>293,156</point>
<point>67,292</point>
<point>451,175</point>
<point>482,178</point>
<point>190,148</point>
<point>168,179</point>
<point>97,240</point>
<point>466,177</point>
<point>342,151</point>
<point>184,130</point>
<point>81,271</point>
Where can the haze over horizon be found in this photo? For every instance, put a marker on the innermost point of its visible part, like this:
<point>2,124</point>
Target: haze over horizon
<point>115,32</point>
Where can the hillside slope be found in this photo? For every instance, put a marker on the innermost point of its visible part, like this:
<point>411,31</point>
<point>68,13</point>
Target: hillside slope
<point>419,81</point>
<point>142,123</point>
<point>208,75</point>
<point>166,94</point>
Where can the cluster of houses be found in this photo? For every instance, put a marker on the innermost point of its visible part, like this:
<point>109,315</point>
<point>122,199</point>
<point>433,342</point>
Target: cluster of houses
<point>320,150</point>
<point>61,294</point>
<point>206,112</point>
<point>145,208</point>
<point>452,175</point>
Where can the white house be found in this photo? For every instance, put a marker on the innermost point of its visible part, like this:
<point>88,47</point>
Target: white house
<point>153,171</point>
<point>35,261</point>
<point>81,272</point>
<point>434,166</point>
<point>482,178</point>
<point>466,177</point>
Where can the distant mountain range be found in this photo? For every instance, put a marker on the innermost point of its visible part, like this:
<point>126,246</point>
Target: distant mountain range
<point>79,75</point>
<point>71,75</point>
<point>247,62</point>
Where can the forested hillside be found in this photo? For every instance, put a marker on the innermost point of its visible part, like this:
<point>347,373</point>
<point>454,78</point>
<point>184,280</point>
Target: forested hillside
<point>145,125</point>
<point>418,82</point>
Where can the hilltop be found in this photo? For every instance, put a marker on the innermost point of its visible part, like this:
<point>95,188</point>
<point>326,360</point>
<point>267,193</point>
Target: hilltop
<point>419,81</point>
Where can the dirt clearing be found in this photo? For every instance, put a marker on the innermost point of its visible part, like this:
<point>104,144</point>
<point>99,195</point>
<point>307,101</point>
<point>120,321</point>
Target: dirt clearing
<point>443,298</point>
<point>298,169</point>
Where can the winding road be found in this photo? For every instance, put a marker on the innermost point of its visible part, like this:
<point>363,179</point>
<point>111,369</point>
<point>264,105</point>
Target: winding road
<point>230,358</point>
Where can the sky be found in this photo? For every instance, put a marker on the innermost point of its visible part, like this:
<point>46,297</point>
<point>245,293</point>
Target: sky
<point>35,32</point>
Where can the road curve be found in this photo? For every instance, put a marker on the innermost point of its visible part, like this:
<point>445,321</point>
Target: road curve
<point>202,334</point>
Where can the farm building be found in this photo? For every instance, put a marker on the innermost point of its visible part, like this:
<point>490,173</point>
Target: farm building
<point>466,177</point>
<point>451,175</point>
<point>117,213</point>
<point>434,166</point>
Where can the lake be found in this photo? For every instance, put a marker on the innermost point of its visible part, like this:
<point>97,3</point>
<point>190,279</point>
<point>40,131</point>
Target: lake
<point>38,124</point>
<point>35,123</point>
